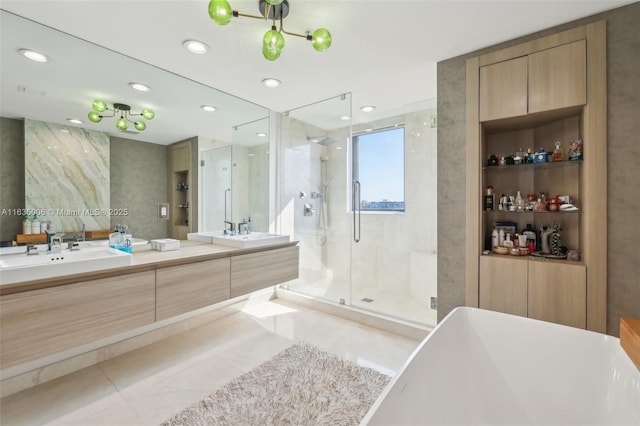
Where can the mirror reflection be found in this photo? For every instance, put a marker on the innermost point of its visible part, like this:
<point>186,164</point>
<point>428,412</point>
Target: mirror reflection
<point>51,94</point>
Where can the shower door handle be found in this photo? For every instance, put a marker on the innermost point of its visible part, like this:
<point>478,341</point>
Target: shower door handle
<point>355,198</point>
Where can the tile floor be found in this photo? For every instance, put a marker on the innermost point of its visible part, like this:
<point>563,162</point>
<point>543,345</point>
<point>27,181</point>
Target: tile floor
<point>395,304</point>
<point>149,385</point>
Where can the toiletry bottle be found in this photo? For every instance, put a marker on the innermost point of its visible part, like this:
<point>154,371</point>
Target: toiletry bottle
<point>35,225</point>
<point>495,241</point>
<point>489,198</point>
<point>501,237</point>
<point>557,152</point>
<point>26,225</point>
<point>519,202</point>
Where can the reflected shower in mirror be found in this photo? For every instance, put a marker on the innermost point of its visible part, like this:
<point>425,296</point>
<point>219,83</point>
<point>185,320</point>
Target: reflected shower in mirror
<point>235,179</point>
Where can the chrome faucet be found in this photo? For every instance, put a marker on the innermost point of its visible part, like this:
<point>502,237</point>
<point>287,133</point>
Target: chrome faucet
<point>81,237</point>
<point>230,230</point>
<point>243,227</point>
<point>54,241</point>
<point>55,245</point>
<point>32,249</point>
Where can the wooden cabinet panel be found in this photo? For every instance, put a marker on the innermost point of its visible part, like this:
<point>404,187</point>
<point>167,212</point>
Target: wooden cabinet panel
<point>255,271</point>
<point>503,284</point>
<point>503,89</point>
<point>184,288</point>
<point>558,293</point>
<point>180,157</point>
<point>37,323</point>
<point>558,77</point>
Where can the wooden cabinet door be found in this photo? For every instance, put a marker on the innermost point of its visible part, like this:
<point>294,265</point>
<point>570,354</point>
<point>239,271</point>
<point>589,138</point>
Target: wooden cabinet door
<point>180,157</point>
<point>255,271</point>
<point>38,323</point>
<point>558,77</point>
<point>503,89</point>
<point>185,288</point>
<point>558,293</point>
<point>503,284</point>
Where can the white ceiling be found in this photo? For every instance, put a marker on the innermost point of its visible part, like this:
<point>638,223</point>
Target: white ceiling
<point>384,52</point>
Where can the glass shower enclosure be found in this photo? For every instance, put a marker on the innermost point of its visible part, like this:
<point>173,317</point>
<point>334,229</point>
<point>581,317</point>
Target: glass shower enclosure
<point>383,262</point>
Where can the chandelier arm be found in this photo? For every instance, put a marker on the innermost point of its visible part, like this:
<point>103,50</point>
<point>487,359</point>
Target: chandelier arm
<point>246,15</point>
<point>113,114</point>
<point>294,34</point>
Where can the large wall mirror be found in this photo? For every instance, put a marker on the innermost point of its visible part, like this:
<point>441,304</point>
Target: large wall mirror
<point>47,95</point>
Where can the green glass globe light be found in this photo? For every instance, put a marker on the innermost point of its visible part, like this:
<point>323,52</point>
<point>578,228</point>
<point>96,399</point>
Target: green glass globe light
<point>140,126</point>
<point>122,124</point>
<point>220,11</point>
<point>321,39</point>
<point>273,40</point>
<point>99,105</point>
<point>148,113</point>
<point>95,117</point>
<point>270,54</point>
<point>274,2</point>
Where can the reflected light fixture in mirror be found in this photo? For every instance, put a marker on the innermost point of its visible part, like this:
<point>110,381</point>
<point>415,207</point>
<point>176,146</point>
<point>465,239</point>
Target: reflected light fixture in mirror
<point>208,108</point>
<point>367,108</point>
<point>274,10</point>
<point>74,120</point>
<point>34,56</point>
<point>125,113</point>
<point>271,82</point>
<point>196,47</point>
<point>139,87</point>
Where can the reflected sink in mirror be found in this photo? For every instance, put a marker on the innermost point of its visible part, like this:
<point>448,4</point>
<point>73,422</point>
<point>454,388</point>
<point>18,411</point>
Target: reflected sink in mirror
<point>253,239</point>
<point>16,268</point>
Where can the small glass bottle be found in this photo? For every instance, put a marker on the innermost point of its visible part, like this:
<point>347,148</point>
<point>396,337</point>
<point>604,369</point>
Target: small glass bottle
<point>557,152</point>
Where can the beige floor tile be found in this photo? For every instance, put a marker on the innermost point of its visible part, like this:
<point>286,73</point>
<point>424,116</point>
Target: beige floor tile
<point>158,402</point>
<point>57,398</point>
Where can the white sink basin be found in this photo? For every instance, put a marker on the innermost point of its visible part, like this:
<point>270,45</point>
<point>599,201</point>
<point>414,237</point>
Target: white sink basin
<point>20,267</point>
<point>253,239</point>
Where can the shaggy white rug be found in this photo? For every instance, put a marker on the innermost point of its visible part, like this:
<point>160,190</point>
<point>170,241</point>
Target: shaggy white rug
<point>302,385</point>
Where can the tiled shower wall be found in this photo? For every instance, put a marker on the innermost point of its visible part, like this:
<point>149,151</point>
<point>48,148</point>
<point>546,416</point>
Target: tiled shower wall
<point>623,155</point>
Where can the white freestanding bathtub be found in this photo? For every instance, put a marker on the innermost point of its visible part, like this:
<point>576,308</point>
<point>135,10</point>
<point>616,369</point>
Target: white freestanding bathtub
<point>483,367</point>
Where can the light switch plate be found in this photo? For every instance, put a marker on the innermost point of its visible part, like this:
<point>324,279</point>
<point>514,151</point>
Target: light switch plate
<point>163,211</point>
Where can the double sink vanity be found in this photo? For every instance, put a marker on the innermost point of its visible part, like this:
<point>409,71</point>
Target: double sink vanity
<point>53,302</point>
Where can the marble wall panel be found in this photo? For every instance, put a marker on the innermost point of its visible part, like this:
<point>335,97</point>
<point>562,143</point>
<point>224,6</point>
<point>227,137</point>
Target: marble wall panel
<point>67,174</point>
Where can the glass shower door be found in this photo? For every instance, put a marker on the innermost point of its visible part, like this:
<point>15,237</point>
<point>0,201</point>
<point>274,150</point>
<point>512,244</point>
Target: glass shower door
<point>313,203</point>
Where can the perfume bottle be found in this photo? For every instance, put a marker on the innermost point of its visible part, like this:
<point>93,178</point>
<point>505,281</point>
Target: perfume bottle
<point>557,152</point>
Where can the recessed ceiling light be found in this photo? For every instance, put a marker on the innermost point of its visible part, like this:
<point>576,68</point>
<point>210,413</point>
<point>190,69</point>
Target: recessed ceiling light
<point>271,82</point>
<point>34,56</point>
<point>74,121</point>
<point>367,108</point>
<point>195,46</point>
<point>140,87</point>
<point>262,135</point>
<point>208,108</point>
<point>345,118</point>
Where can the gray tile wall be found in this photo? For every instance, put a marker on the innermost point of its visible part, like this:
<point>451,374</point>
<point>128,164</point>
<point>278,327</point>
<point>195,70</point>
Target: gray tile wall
<point>623,157</point>
<point>11,176</point>
<point>139,182</point>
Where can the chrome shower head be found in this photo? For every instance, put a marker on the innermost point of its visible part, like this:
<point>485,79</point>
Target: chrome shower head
<point>321,140</point>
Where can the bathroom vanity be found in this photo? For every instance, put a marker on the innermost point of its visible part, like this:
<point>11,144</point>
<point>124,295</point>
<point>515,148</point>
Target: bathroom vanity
<point>44,317</point>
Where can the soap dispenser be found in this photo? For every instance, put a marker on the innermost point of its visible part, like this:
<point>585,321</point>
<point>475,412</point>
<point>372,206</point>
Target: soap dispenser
<point>26,225</point>
<point>35,225</point>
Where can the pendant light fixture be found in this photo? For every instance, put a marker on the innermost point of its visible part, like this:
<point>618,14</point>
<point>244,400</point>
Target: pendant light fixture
<point>124,111</point>
<point>274,10</point>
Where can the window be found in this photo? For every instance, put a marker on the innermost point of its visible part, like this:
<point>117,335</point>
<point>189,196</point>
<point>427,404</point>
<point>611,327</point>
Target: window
<point>378,164</point>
